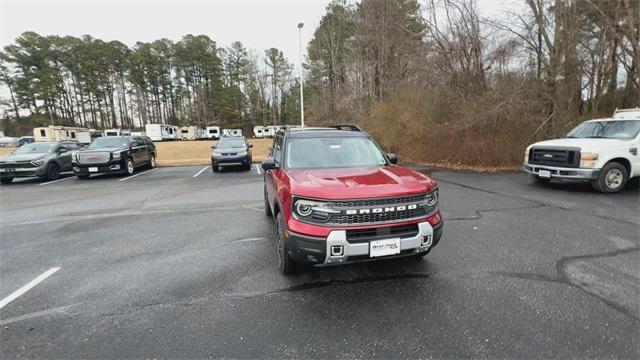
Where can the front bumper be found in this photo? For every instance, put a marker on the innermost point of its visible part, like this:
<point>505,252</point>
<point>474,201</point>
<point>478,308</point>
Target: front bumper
<point>22,172</point>
<point>114,167</point>
<point>562,173</point>
<point>318,251</point>
<point>242,160</point>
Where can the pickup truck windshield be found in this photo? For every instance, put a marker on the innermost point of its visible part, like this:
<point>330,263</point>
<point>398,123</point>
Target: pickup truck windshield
<point>332,153</point>
<point>35,148</point>
<point>235,143</point>
<point>623,129</point>
<point>109,142</point>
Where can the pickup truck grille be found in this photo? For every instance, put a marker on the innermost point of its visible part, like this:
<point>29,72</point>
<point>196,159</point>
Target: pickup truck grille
<point>561,157</point>
<point>94,157</point>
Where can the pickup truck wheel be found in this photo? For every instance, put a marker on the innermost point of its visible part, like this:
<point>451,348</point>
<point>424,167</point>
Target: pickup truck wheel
<point>287,266</point>
<point>52,172</point>
<point>152,161</point>
<point>267,208</point>
<point>6,180</point>
<point>613,177</point>
<point>129,167</point>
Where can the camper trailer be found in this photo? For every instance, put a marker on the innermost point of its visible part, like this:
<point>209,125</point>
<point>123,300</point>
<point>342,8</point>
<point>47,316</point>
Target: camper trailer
<point>212,132</point>
<point>56,133</point>
<point>87,136</point>
<point>231,132</point>
<point>258,131</point>
<point>190,133</point>
<point>161,132</point>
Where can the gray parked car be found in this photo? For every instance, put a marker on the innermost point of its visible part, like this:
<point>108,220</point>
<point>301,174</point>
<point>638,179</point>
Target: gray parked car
<point>45,160</point>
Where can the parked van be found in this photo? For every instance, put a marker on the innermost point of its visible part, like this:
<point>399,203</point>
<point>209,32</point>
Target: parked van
<point>258,131</point>
<point>190,133</point>
<point>56,133</point>
<point>212,132</point>
<point>161,132</point>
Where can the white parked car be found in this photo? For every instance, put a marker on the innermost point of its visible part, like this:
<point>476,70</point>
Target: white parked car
<point>602,151</point>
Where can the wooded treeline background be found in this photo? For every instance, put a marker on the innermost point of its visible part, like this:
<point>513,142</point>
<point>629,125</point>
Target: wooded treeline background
<point>431,79</point>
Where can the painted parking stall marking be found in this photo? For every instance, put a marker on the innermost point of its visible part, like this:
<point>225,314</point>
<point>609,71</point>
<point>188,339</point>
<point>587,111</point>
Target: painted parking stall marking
<point>55,181</point>
<point>200,172</point>
<point>258,169</point>
<point>16,294</point>
<point>132,176</point>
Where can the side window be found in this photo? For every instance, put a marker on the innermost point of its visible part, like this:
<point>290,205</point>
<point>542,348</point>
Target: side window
<point>43,133</point>
<point>277,150</point>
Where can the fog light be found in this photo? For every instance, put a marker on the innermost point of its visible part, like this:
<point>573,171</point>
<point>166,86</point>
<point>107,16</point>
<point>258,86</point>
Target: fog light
<point>75,168</point>
<point>426,241</point>
<point>337,250</point>
<point>114,167</point>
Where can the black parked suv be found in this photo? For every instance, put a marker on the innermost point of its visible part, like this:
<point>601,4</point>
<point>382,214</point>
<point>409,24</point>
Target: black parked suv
<point>114,155</point>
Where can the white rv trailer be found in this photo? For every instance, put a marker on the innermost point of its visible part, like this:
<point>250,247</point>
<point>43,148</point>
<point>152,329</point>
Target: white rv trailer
<point>231,132</point>
<point>160,132</point>
<point>56,133</point>
<point>258,131</point>
<point>190,133</point>
<point>212,132</point>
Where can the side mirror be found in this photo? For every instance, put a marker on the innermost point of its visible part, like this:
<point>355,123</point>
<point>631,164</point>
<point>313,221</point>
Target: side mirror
<point>62,150</point>
<point>392,158</point>
<point>250,145</point>
<point>213,146</point>
<point>269,164</point>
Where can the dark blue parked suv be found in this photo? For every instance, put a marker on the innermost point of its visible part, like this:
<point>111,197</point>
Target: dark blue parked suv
<point>231,151</point>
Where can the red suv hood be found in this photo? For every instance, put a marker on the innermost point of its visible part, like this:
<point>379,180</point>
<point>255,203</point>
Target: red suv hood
<point>354,183</point>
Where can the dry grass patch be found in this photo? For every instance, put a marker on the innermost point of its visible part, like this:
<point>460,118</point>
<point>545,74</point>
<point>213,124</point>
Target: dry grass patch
<point>6,150</point>
<point>182,153</point>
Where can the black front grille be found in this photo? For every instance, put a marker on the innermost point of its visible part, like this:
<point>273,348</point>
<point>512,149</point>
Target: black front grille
<point>366,235</point>
<point>16,165</point>
<point>562,157</point>
<point>413,199</point>
<point>344,219</point>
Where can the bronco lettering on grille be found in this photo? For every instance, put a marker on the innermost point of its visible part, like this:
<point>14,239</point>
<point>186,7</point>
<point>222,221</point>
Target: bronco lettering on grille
<point>385,209</point>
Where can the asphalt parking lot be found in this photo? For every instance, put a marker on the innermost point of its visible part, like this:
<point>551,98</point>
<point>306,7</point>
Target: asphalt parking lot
<point>178,263</point>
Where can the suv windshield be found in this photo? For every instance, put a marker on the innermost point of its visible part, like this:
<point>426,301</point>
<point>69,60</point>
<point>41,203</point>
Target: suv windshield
<point>35,148</point>
<point>333,153</point>
<point>616,129</point>
<point>109,142</point>
<point>231,143</point>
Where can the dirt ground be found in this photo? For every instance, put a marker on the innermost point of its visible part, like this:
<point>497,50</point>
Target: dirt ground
<point>182,153</point>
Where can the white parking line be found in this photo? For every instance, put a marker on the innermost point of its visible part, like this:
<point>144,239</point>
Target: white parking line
<point>200,172</point>
<point>258,169</point>
<point>55,181</point>
<point>132,176</point>
<point>16,294</point>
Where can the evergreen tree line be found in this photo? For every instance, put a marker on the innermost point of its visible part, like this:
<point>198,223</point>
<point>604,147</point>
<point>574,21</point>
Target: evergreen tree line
<point>96,84</point>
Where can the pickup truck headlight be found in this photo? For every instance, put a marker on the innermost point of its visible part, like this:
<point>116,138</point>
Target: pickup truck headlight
<point>37,162</point>
<point>526,155</point>
<point>588,160</point>
<point>116,155</point>
<point>312,210</point>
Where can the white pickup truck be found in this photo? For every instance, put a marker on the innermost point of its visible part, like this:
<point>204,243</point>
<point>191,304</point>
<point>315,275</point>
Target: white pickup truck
<point>602,151</point>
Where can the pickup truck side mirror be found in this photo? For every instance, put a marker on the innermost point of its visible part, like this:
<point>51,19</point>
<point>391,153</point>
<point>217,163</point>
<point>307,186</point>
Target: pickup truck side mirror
<point>393,158</point>
<point>269,164</point>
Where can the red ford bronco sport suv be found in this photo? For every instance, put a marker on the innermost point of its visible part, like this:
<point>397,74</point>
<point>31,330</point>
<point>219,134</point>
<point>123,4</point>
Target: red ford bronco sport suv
<point>337,198</point>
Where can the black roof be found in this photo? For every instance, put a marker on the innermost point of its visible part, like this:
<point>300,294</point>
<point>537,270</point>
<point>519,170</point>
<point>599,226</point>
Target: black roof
<point>334,131</point>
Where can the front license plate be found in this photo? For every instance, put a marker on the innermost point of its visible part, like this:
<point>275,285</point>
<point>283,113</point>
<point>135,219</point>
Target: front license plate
<point>544,174</point>
<point>384,247</point>
<point>93,169</point>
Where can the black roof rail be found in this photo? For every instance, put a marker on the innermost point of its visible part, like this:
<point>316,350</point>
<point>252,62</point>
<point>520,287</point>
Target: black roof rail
<point>348,127</point>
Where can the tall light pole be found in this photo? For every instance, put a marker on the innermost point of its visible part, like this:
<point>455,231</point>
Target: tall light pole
<point>300,25</point>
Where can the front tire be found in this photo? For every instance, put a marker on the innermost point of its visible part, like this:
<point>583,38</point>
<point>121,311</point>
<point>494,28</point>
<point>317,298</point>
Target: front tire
<point>215,168</point>
<point>152,161</point>
<point>7,180</point>
<point>267,207</point>
<point>129,168</point>
<point>52,172</point>
<point>612,179</point>
<point>286,265</point>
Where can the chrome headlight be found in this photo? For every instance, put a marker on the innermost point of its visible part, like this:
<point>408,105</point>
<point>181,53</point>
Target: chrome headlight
<point>37,162</point>
<point>431,200</point>
<point>588,160</point>
<point>526,155</point>
<point>215,153</point>
<point>312,210</point>
<point>242,153</point>
<point>116,155</point>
